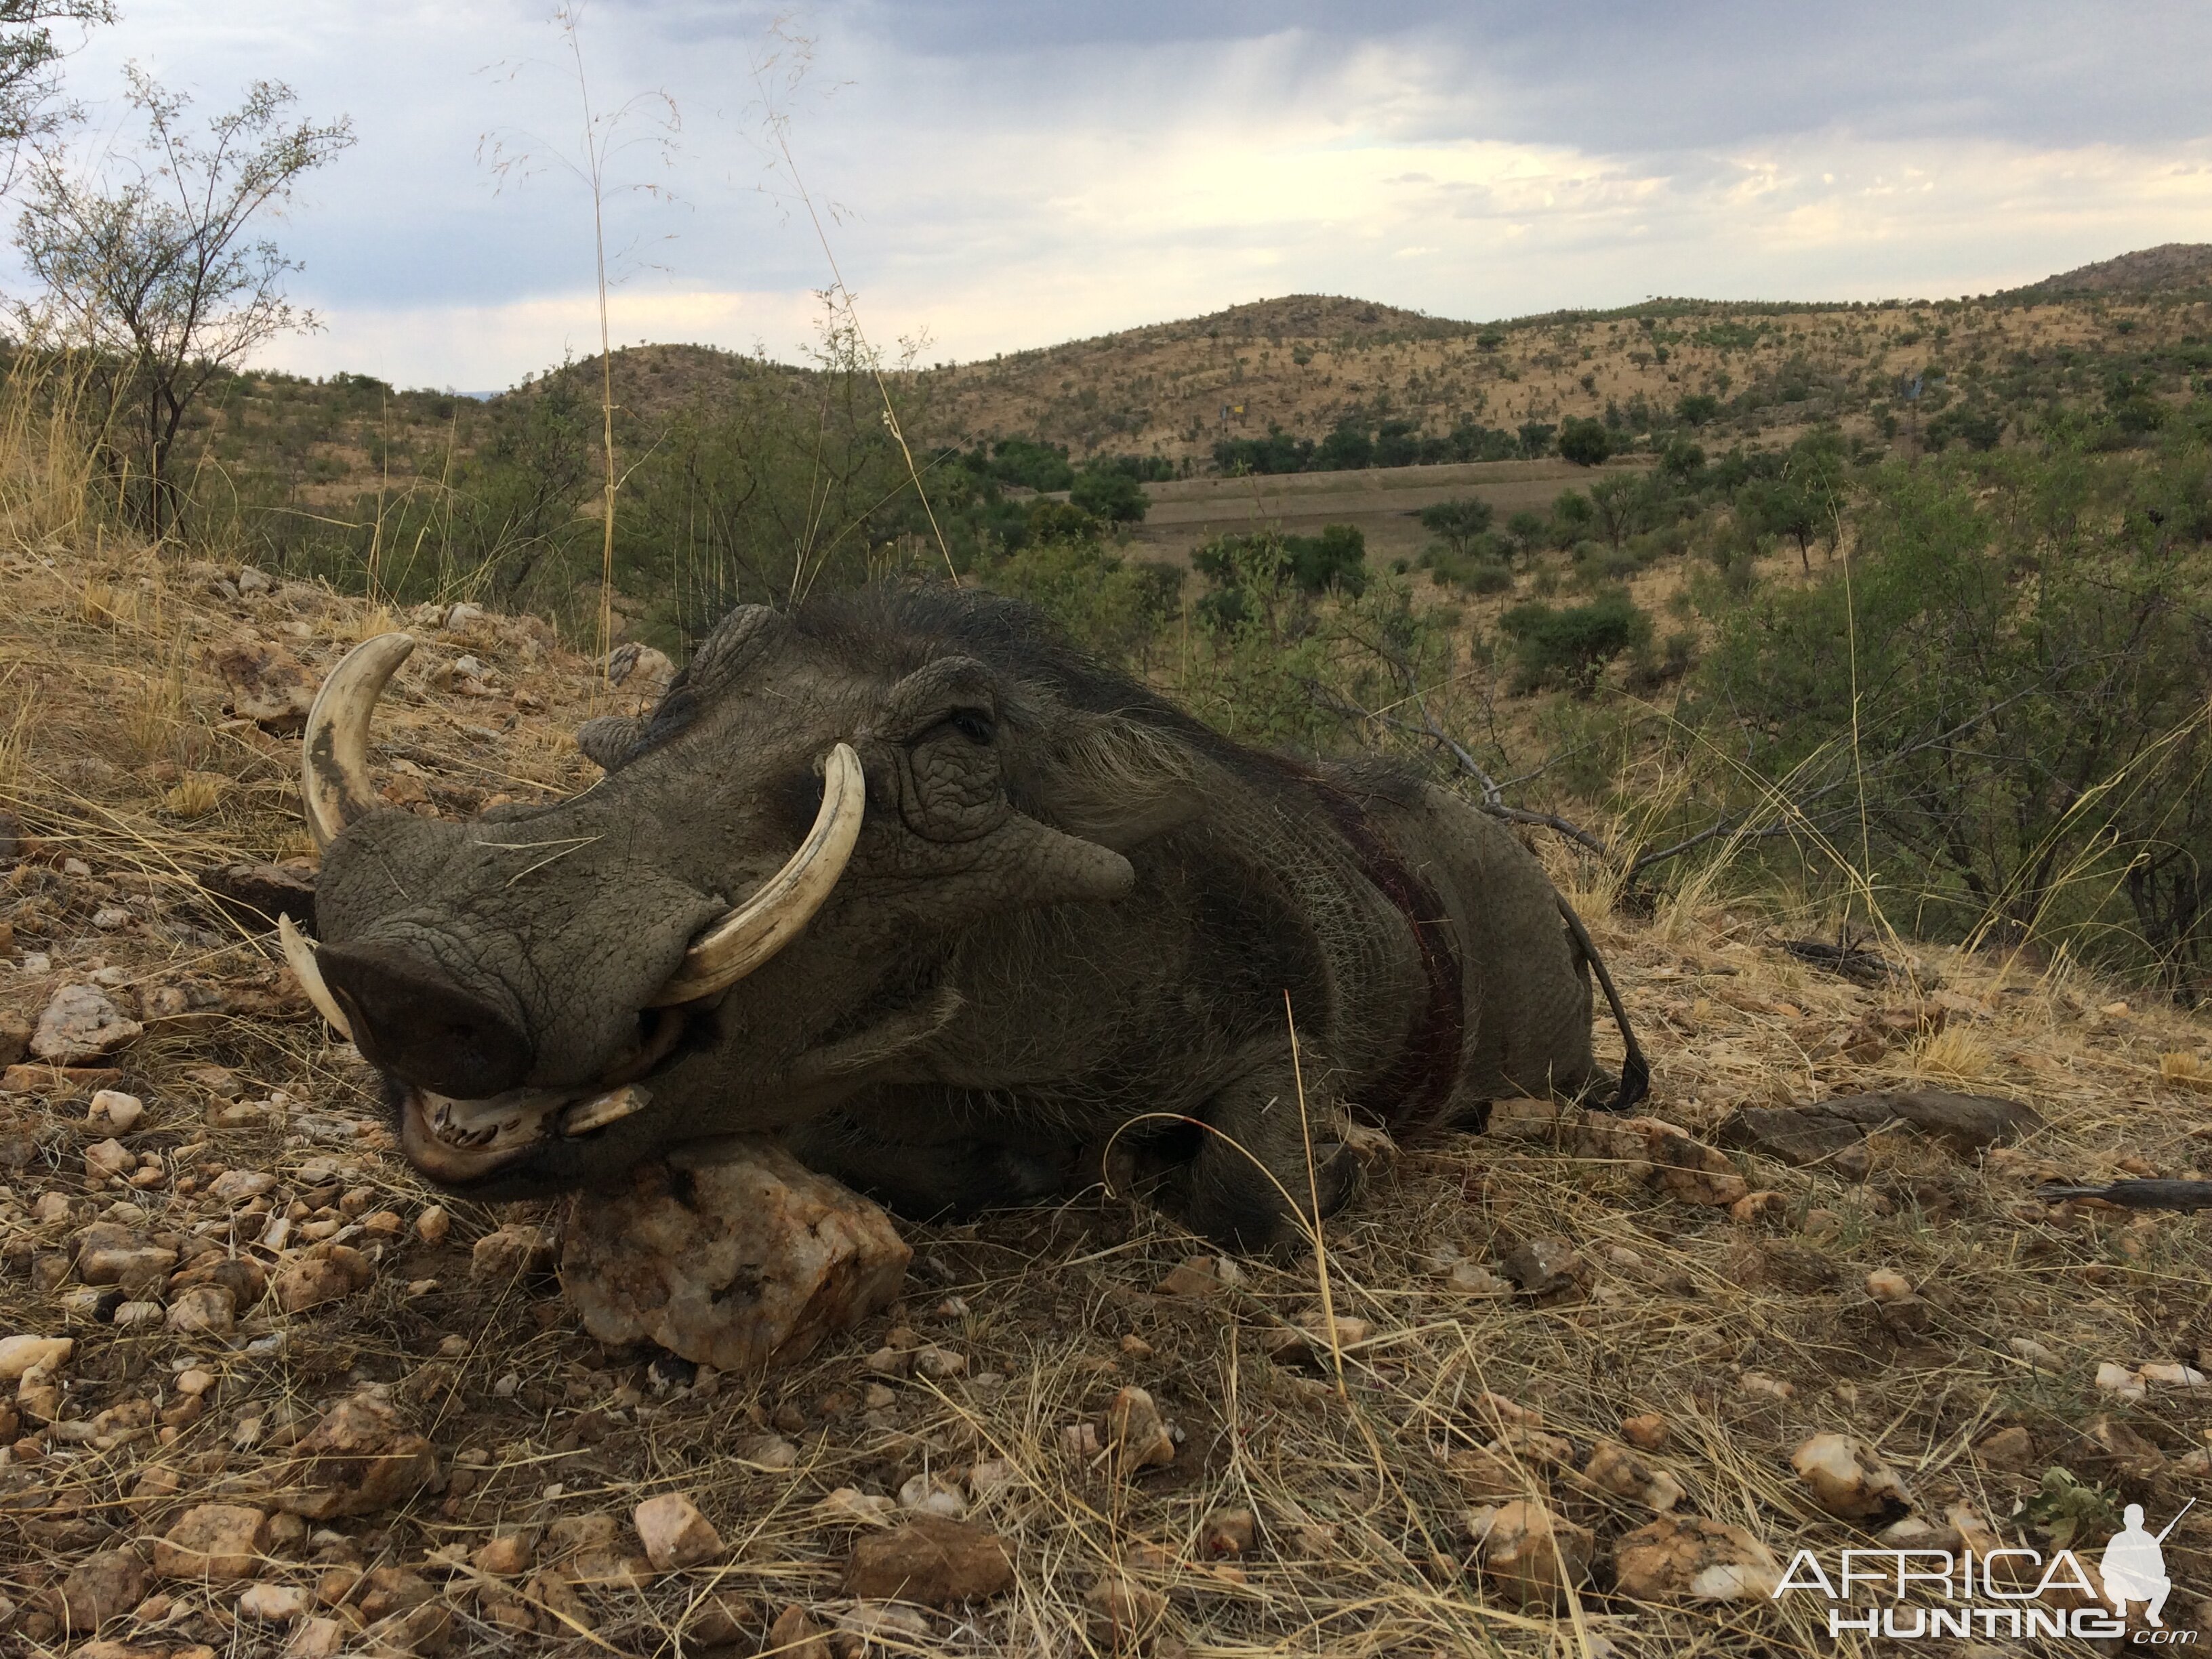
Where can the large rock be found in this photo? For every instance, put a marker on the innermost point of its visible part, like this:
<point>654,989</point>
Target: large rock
<point>1688,1558</point>
<point>81,1023</point>
<point>100,1587</point>
<point>219,1542</point>
<point>268,685</point>
<point>739,1264</point>
<point>1531,1556</point>
<point>358,1458</point>
<point>1847,1479</point>
<point>930,1560</point>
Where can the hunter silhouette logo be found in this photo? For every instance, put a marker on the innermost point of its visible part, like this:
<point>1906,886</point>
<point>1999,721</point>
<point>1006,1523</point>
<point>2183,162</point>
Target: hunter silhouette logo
<point>2006,1592</point>
<point>2133,1566</point>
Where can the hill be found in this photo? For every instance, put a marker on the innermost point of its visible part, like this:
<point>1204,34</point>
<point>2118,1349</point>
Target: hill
<point>2171,265</point>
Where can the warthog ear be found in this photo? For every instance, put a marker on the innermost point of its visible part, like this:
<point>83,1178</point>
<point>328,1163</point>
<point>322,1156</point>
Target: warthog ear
<point>1115,781</point>
<point>611,741</point>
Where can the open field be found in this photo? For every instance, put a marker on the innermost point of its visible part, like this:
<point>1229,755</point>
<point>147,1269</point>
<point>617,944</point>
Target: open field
<point>1920,1297</point>
<point>1380,502</point>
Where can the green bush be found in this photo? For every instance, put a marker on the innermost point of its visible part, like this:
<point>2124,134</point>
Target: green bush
<point>1111,494</point>
<point>1568,649</point>
<point>1459,522</point>
<point>1584,442</point>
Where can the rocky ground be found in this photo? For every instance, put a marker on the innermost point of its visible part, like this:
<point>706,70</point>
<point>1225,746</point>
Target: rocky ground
<point>1575,1385</point>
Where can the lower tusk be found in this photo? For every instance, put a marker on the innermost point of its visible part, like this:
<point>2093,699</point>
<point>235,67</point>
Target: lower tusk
<point>600,1110</point>
<point>299,955</point>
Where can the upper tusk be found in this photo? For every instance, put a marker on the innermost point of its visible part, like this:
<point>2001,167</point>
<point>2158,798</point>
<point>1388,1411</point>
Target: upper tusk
<point>787,901</point>
<point>334,786</point>
<point>300,955</point>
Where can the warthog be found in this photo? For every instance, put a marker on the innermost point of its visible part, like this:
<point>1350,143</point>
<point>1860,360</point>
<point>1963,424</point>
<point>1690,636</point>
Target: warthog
<point>1036,917</point>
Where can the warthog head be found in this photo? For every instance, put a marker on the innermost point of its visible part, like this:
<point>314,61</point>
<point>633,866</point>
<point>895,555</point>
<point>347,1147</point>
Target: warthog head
<point>743,922</point>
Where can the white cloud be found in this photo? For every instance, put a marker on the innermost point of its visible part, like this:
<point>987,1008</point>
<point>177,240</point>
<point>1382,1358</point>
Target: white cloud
<point>1002,196</point>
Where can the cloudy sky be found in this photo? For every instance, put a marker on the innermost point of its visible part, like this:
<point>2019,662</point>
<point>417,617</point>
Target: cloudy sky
<point>994,175</point>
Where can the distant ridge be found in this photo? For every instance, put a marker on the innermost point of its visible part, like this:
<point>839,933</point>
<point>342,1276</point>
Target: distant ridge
<point>2169,265</point>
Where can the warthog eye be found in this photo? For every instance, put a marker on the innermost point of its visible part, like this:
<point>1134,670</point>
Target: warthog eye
<point>972,724</point>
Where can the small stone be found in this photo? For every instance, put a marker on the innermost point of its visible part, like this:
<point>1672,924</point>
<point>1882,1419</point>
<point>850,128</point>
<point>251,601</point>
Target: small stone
<point>235,1187</point>
<point>513,1252</point>
<point>193,1381</point>
<point>1533,1556</point>
<point>316,1638</point>
<point>941,1363</point>
<point>741,1264</point>
<point>219,1542</point>
<point>794,1635</point>
<point>1228,1532</point>
<point>1203,1278</point>
<point>358,1459</point>
<point>1887,1285</point>
<point>128,1316</point>
<point>1135,1432</point>
<point>80,1025</point>
<point>121,1110</point>
<point>768,1451</point>
<point>273,1604</point>
<point>1847,1479</point>
<point>1760,1386</point>
<point>104,1160</point>
<point>936,1562</point>
<point>2165,1374</point>
<point>1613,1468</point>
<point>2034,1352</point>
<point>2116,1379</point>
<point>1646,1431</point>
<point>1688,1558</point>
<point>101,1587</point>
<point>2127,1451</point>
<point>722,1618</point>
<point>108,1253</point>
<point>203,1311</point>
<point>1544,1267</point>
<point>505,1555</point>
<point>22,1355</point>
<point>432,1225</point>
<point>675,1534</point>
<point>327,1273</point>
<point>928,1494</point>
<point>1121,1613</point>
<point>850,1504</point>
<point>1469,1279</point>
<point>2011,1451</point>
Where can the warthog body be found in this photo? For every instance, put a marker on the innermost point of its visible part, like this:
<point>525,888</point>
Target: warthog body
<point>1072,918</point>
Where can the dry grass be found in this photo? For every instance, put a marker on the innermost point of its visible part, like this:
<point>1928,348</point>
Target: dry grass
<point>1363,1548</point>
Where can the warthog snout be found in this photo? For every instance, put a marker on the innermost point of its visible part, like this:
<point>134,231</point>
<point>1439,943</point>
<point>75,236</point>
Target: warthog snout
<point>409,1016</point>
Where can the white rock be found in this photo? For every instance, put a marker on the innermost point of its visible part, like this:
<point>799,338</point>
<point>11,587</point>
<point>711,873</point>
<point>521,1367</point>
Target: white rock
<point>748,1262</point>
<point>1847,1477</point>
<point>2117,1380</point>
<point>2034,1352</point>
<point>674,1533</point>
<point>273,1604</point>
<point>22,1355</point>
<point>927,1494</point>
<point>81,1022</point>
<point>2171,1375</point>
<point>121,1110</point>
